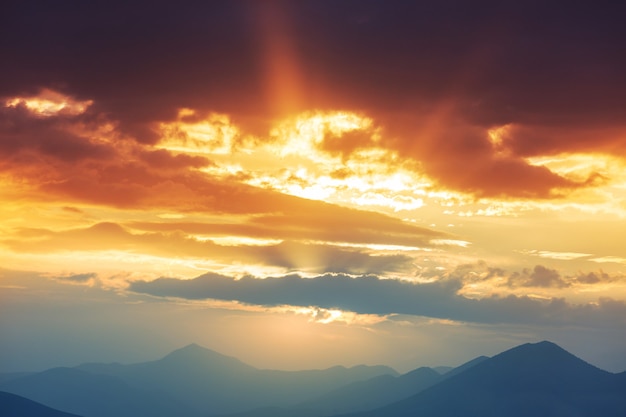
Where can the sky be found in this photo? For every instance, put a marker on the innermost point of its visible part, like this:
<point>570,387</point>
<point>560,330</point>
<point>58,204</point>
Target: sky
<point>312,183</point>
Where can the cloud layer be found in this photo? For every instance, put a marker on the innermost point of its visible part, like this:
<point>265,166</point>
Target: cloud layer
<point>439,76</point>
<point>373,295</point>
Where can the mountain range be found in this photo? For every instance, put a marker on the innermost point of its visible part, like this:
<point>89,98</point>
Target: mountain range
<point>539,379</point>
<point>189,382</point>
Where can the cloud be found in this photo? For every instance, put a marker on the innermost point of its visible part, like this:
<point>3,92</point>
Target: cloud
<point>86,158</point>
<point>437,76</point>
<point>597,277</point>
<point>78,278</point>
<point>373,295</point>
<point>289,255</point>
<point>313,222</point>
<point>540,277</point>
<point>27,139</point>
<point>566,256</point>
<point>463,158</point>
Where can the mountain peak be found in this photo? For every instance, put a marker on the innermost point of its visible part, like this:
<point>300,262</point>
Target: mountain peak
<point>193,347</point>
<point>544,351</point>
<point>531,379</point>
<point>545,345</point>
<point>194,355</point>
<point>543,360</point>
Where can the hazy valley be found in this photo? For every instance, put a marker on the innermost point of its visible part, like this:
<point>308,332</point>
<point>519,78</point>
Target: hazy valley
<point>538,379</point>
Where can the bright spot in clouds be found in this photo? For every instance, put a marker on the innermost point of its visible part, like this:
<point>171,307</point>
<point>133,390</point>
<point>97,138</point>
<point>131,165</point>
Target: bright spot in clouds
<point>50,103</point>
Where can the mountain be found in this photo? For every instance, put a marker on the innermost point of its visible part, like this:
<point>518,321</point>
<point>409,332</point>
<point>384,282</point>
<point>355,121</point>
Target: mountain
<point>5,377</point>
<point>188,382</point>
<point>442,369</point>
<point>538,379</point>
<point>464,367</point>
<point>364,395</point>
<point>219,384</point>
<point>200,378</point>
<point>372,393</point>
<point>79,392</point>
<point>12,405</point>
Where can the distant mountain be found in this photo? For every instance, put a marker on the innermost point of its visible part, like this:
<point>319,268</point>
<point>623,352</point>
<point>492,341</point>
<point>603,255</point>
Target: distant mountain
<point>442,369</point>
<point>364,395</point>
<point>218,384</point>
<point>188,382</point>
<point>538,379</point>
<point>5,377</point>
<point>12,405</point>
<point>79,392</point>
<point>464,367</point>
<point>373,393</point>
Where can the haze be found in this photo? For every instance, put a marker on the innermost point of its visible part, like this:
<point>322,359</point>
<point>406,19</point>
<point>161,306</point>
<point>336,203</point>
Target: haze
<point>313,183</point>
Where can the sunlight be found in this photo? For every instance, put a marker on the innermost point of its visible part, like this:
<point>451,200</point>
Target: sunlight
<point>50,103</point>
<point>240,240</point>
<point>327,316</point>
<point>212,135</point>
<point>581,166</point>
<point>497,136</point>
<point>305,133</point>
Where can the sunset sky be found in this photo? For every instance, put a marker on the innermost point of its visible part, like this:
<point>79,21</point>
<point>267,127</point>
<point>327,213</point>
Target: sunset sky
<point>302,184</point>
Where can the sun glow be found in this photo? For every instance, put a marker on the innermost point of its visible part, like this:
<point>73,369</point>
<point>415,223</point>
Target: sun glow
<point>497,137</point>
<point>581,166</point>
<point>50,103</point>
<point>327,316</point>
<point>305,134</point>
<point>335,156</point>
<point>213,134</point>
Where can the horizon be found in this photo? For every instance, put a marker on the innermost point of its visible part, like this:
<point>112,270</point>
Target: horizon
<point>307,184</point>
<point>261,368</point>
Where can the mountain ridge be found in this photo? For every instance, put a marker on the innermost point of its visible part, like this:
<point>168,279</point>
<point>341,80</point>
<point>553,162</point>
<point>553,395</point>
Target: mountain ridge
<point>197,380</point>
<point>540,379</point>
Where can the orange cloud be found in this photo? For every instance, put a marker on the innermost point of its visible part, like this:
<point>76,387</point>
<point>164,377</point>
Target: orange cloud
<point>288,255</point>
<point>463,157</point>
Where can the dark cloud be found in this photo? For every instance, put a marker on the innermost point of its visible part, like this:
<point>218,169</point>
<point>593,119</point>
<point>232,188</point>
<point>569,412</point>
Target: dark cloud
<point>552,69</point>
<point>461,157</point>
<point>373,295</point>
<point>25,138</point>
<point>592,277</point>
<point>597,277</point>
<point>540,276</point>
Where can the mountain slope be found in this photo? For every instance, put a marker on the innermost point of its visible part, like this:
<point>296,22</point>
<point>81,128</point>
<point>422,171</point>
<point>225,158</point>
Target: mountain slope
<point>219,384</point>
<point>373,393</point>
<point>90,395</point>
<point>530,380</point>
<point>6,377</point>
<point>364,395</point>
<point>189,381</point>
<point>12,405</point>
